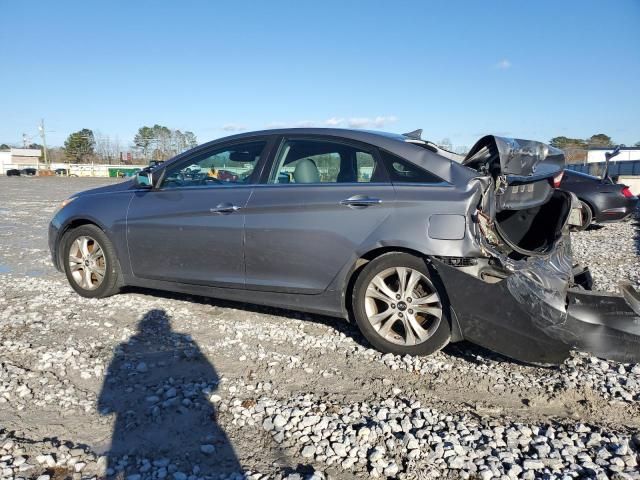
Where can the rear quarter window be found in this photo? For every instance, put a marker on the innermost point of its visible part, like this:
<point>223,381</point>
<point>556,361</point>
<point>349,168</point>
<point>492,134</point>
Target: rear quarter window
<point>403,171</point>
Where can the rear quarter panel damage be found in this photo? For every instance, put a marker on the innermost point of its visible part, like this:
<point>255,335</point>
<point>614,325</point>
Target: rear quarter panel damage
<point>533,316</point>
<point>519,316</point>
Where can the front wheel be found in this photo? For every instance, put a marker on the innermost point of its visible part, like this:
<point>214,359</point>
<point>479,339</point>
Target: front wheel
<point>90,262</point>
<point>399,307</point>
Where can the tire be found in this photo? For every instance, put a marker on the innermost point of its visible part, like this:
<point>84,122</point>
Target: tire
<point>586,216</point>
<point>107,263</point>
<point>402,337</point>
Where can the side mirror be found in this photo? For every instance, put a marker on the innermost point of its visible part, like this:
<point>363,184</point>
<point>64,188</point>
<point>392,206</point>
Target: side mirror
<point>144,179</point>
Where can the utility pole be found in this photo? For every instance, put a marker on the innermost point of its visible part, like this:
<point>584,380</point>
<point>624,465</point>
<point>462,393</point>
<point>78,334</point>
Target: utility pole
<point>44,143</point>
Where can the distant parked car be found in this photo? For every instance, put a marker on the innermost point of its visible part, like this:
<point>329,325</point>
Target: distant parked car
<point>62,171</point>
<point>601,199</point>
<point>13,172</point>
<point>29,171</point>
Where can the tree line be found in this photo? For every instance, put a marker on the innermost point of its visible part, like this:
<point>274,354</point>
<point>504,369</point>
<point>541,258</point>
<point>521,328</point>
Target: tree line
<point>150,143</point>
<point>159,142</point>
<point>575,149</point>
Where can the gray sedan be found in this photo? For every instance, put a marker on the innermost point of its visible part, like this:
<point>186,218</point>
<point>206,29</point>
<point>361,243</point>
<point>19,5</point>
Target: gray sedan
<point>417,245</point>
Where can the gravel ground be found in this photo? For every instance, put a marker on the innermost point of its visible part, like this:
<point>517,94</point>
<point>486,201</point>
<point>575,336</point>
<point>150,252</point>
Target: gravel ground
<point>150,385</point>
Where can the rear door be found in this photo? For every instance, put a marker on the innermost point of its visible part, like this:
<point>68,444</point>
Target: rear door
<point>190,228</point>
<point>322,198</point>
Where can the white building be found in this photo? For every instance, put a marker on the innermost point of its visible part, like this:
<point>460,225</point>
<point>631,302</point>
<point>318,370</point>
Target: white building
<point>626,154</point>
<point>19,158</point>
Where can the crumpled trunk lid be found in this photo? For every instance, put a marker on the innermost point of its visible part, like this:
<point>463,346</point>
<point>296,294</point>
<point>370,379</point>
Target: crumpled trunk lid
<point>521,209</point>
<point>521,160</point>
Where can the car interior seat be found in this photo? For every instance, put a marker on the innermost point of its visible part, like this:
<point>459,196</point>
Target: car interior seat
<point>306,172</point>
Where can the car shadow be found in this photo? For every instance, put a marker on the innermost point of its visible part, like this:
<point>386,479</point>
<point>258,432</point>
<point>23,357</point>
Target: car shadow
<point>594,227</point>
<point>158,386</point>
<point>464,350</point>
<point>478,355</point>
<point>338,324</point>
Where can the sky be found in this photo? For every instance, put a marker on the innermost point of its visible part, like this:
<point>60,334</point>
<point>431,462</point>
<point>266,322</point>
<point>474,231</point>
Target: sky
<point>456,69</point>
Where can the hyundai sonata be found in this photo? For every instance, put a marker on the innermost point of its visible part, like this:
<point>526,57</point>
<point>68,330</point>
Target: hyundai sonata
<point>419,246</point>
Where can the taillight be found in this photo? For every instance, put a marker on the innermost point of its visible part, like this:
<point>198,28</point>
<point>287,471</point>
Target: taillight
<point>626,192</point>
<point>557,179</point>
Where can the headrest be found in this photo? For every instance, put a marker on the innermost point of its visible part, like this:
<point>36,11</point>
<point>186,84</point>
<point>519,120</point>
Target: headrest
<point>306,172</point>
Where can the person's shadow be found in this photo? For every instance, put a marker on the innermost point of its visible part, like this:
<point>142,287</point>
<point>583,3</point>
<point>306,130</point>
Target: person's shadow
<point>159,386</point>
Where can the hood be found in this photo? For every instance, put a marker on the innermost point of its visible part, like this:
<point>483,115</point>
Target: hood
<point>514,157</point>
<point>115,187</point>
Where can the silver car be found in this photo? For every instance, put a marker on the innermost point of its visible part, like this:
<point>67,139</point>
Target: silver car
<point>417,245</point>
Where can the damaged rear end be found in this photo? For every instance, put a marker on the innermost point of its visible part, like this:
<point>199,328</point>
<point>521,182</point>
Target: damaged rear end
<point>525,298</point>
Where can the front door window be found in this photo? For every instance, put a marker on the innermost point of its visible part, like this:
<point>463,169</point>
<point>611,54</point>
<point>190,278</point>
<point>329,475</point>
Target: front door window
<point>228,166</point>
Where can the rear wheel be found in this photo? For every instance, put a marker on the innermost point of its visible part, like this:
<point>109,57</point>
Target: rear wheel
<point>90,262</point>
<point>586,215</point>
<point>398,306</point>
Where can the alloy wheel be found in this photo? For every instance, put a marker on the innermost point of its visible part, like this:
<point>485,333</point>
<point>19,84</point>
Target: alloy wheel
<point>403,306</point>
<point>87,262</point>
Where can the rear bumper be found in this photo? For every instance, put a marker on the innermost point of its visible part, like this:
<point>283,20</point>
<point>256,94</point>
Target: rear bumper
<point>618,213</point>
<point>519,318</point>
<point>605,325</point>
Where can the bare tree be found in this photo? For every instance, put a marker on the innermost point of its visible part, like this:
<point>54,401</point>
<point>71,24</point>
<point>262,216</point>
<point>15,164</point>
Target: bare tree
<point>56,155</point>
<point>160,142</point>
<point>103,147</point>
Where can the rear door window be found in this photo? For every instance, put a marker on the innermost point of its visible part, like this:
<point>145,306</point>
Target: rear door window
<point>324,161</point>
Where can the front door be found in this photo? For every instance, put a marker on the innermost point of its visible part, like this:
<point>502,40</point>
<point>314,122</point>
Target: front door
<point>189,228</point>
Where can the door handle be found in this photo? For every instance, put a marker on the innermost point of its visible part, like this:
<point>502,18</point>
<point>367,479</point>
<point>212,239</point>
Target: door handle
<point>360,201</point>
<point>225,208</point>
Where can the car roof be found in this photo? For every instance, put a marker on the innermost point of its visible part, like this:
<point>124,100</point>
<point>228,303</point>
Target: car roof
<point>397,143</point>
<point>377,138</point>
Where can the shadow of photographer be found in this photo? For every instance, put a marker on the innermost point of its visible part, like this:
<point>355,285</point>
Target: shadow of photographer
<point>158,386</point>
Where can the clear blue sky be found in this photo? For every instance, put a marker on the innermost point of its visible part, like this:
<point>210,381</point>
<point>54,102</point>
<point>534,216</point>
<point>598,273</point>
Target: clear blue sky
<point>457,69</point>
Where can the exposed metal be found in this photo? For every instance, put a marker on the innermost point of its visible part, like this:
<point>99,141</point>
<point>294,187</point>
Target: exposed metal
<point>515,157</point>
